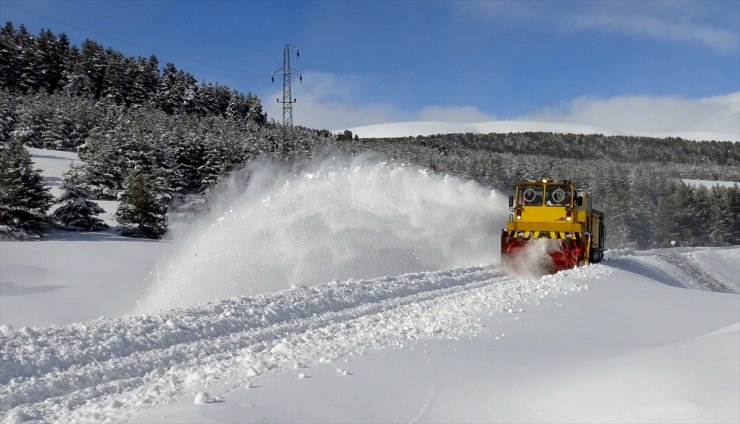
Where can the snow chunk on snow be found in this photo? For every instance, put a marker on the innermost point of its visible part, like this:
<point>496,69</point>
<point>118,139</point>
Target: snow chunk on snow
<point>17,417</point>
<point>280,349</point>
<point>202,398</point>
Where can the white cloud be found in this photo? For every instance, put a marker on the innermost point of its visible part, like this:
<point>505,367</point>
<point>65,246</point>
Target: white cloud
<point>718,114</point>
<point>658,27</point>
<point>713,24</point>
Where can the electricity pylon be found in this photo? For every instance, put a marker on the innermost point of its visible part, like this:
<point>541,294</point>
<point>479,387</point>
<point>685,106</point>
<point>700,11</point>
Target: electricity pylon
<point>286,71</point>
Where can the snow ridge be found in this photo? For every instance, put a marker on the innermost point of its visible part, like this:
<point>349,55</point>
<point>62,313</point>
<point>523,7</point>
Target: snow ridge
<point>713,269</point>
<point>108,370</point>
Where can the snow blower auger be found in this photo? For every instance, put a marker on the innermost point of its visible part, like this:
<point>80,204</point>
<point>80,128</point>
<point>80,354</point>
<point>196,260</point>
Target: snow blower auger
<point>555,211</point>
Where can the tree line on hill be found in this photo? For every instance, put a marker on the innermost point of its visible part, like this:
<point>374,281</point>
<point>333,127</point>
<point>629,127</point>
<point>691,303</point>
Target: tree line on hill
<point>48,63</point>
<point>636,181</point>
<point>154,139</point>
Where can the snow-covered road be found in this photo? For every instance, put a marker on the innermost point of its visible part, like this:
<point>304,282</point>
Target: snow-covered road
<point>109,369</point>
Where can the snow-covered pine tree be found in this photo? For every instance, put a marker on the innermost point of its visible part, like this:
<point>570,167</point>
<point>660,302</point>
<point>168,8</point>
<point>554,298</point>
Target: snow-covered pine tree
<point>145,81</point>
<point>29,79</point>
<point>178,91</point>
<point>76,212</point>
<point>212,170</point>
<point>733,208</point>
<point>236,106</point>
<point>103,166</point>
<point>255,115</point>
<point>117,77</point>
<point>23,198</point>
<point>186,153</point>
<point>92,67</point>
<point>7,115</point>
<point>143,206</point>
<point>9,67</point>
<point>49,61</point>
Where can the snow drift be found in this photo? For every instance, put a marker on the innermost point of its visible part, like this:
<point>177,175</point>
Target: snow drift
<point>273,227</point>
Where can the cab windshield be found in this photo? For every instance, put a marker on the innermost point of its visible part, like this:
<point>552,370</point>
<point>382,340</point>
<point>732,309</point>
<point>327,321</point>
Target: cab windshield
<point>530,195</point>
<point>558,195</point>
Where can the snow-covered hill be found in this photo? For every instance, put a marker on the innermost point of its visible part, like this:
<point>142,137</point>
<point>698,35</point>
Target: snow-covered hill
<point>646,336</point>
<point>423,128</point>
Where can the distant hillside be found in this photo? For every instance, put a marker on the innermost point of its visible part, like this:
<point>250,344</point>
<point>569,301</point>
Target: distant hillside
<point>426,128</point>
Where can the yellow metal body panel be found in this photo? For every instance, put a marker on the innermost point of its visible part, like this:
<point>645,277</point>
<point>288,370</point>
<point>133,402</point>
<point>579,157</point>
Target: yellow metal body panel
<point>544,226</point>
<point>544,218</point>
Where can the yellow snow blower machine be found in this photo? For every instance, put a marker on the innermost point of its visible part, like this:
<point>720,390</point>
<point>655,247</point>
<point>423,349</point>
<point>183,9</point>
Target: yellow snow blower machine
<point>554,210</point>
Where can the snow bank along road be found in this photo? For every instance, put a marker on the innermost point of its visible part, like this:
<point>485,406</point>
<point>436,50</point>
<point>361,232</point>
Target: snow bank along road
<point>110,370</point>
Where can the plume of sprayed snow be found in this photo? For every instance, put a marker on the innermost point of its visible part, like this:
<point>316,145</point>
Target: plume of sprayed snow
<point>533,260</point>
<point>327,219</point>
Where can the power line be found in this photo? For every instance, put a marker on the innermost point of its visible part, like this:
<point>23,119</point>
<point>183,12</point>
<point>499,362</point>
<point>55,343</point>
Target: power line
<point>314,116</point>
<point>184,28</point>
<point>139,45</point>
<point>348,108</point>
<point>359,120</point>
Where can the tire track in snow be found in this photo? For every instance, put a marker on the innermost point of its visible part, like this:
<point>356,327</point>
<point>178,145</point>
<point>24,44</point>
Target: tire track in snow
<point>54,361</point>
<point>239,337</point>
<point>33,351</point>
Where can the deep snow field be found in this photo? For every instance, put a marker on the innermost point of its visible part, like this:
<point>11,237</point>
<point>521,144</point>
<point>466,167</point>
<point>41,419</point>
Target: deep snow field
<point>357,291</point>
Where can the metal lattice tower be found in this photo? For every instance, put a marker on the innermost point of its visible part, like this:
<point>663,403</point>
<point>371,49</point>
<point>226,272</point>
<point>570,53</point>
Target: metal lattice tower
<point>286,71</point>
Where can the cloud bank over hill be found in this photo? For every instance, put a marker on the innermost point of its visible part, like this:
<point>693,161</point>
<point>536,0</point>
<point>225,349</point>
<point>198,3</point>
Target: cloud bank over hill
<point>643,114</point>
<point>330,101</point>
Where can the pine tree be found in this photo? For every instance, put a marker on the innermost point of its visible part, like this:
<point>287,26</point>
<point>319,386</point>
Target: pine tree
<point>76,211</point>
<point>255,115</point>
<point>29,79</point>
<point>8,59</point>
<point>178,91</point>
<point>143,206</point>
<point>7,115</point>
<point>49,61</point>
<point>213,168</point>
<point>187,154</point>
<point>23,198</point>
<point>236,107</point>
<point>720,232</point>
<point>92,68</point>
<point>733,209</point>
<point>104,167</point>
<point>116,86</point>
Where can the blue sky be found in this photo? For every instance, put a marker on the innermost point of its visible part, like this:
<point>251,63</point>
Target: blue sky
<point>382,61</point>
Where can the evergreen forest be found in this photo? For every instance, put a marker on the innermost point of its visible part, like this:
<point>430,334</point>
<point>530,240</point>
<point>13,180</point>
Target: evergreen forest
<point>156,139</point>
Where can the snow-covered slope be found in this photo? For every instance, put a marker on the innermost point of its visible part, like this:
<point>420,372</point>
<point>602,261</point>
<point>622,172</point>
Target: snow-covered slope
<point>414,128</point>
<point>649,336</point>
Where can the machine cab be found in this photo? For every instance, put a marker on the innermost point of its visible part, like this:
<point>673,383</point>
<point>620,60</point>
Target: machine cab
<point>546,193</point>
